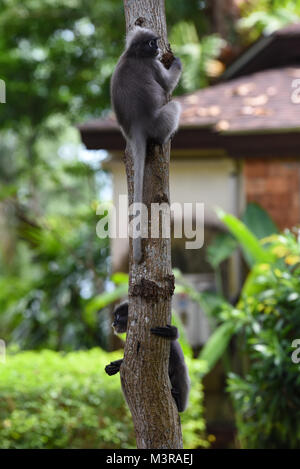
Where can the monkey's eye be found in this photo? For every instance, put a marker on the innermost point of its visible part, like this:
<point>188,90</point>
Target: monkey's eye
<point>152,43</point>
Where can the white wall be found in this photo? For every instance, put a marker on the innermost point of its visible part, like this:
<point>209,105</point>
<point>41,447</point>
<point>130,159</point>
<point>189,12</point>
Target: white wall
<point>207,181</point>
<point>210,181</point>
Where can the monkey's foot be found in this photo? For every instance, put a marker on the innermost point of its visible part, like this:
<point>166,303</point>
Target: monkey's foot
<point>169,332</point>
<point>113,368</point>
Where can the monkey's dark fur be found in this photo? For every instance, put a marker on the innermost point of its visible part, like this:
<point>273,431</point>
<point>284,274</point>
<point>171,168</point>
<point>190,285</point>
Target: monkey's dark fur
<point>139,88</point>
<point>178,372</point>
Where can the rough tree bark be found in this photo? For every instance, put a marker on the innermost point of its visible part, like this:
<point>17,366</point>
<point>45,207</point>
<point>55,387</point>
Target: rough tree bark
<point>144,372</point>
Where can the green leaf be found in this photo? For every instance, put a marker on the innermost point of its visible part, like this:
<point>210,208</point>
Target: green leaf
<point>8,191</point>
<point>216,345</point>
<point>100,301</point>
<point>119,278</point>
<point>252,249</point>
<point>220,249</point>
<point>258,221</point>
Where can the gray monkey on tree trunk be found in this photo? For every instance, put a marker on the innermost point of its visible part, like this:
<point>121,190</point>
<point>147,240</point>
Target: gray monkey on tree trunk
<point>178,371</point>
<point>139,88</point>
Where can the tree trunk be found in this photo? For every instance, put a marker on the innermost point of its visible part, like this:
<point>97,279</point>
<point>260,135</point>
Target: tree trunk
<point>144,372</point>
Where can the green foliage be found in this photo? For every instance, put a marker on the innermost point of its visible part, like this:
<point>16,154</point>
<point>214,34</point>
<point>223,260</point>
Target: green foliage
<point>56,58</point>
<point>217,344</point>
<point>220,249</point>
<point>61,264</point>
<point>212,304</point>
<point>50,400</point>
<point>195,53</point>
<point>266,320</point>
<point>178,11</point>
<point>267,399</point>
<point>54,400</point>
<point>252,249</point>
<point>266,16</point>
<point>192,420</point>
<point>258,221</point>
<point>54,53</point>
<point>103,300</point>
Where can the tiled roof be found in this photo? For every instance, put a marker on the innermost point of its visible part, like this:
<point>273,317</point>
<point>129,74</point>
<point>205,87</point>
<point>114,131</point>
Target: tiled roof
<point>261,102</point>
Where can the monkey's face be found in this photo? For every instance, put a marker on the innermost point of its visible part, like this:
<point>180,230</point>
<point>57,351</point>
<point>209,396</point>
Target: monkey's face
<point>145,46</point>
<point>150,48</point>
<point>120,318</point>
<point>120,323</point>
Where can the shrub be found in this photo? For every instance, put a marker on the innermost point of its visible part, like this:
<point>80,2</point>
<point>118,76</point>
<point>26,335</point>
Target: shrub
<point>267,321</point>
<point>266,325</point>
<point>54,400</point>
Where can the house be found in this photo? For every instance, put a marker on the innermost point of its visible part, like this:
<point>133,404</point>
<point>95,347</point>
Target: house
<point>238,141</point>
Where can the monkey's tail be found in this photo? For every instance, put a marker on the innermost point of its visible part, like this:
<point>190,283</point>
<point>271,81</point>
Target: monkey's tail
<point>139,156</point>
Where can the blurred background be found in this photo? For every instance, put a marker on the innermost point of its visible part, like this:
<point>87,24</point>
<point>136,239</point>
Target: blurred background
<point>237,300</point>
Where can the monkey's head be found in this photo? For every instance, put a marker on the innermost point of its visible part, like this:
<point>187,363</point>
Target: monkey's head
<point>120,318</point>
<point>142,42</point>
